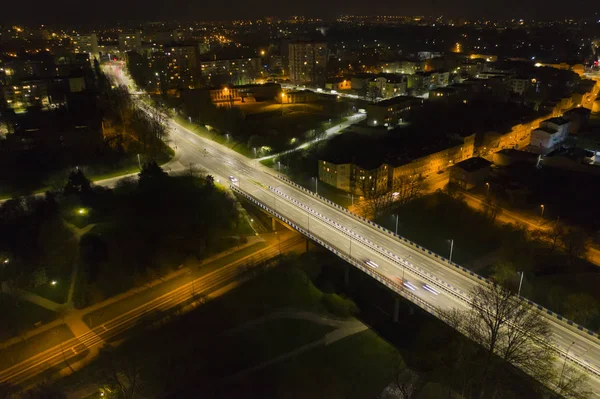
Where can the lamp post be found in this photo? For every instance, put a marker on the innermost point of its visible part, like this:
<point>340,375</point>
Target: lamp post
<point>316,185</point>
<point>542,211</point>
<point>397,217</point>
<point>487,185</point>
<point>139,161</point>
<point>520,283</point>
<point>404,261</point>
<point>562,373</point>
<point>451,249</point>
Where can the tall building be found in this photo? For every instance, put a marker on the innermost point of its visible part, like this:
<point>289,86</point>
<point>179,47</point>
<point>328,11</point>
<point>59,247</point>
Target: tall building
<point>130,41</point>
<point>308,62</point>
<point>86,44</point>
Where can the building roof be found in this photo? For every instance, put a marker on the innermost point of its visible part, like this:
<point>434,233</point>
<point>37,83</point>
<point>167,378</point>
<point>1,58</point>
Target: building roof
<point>473,164</point>
<point>557,120</point>
<point>578,110</point>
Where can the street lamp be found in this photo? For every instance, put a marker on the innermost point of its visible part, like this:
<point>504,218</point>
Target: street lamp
<point>53,282</point>
<point>488,187</point>
<point>397,217</point>
<point>542,213</point>
<point>520,283</point>
<point>316,185</point>
<point>451,248</point>
<point>404,262</point>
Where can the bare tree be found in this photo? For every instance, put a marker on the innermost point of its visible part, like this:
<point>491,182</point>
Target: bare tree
<point>572,383</point>
<point>407,188</point>
<point>121,370</point>
<point>509,328</point>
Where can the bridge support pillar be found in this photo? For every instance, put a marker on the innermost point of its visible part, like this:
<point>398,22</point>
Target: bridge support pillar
<point>396,309</point>
<point>347,276</point>
<point>273,223</point>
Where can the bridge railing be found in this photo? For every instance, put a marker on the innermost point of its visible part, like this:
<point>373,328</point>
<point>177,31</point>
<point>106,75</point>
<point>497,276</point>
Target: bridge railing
<point>387,281</point>
<point>555,317</point>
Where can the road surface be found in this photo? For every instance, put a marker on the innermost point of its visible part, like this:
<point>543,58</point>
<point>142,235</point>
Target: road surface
<point>70,352</point>
<point>431,279</point>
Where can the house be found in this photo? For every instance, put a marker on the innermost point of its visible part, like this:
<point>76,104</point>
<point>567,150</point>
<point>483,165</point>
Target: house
<point>549,135</point>
<point>391,112</point>
<point>470,173</point>
<point>579,118</point>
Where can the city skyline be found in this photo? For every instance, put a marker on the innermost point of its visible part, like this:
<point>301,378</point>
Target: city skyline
<point>67,11</point>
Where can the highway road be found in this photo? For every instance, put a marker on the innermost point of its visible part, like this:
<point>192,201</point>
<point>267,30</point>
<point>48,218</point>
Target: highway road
<point>27,373</point>
<point>431,279</point>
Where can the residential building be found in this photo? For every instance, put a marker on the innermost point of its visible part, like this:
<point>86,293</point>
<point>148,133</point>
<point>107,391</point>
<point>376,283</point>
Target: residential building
<point>510,156</point>
<point>178,65</point>
<point>358,179</point>
<point>338,84</point>
<point>579,118</point>
<point>227,95</point>
<point>360,81</point>
<point>388,85</point>
<point>435,158</point>
<point>519,85</point>
<point>444,94</point>
<point>391,112</point>
<point>130,41</point>
<point>470,173</point>
<point>87,44</point>
<point>433,79</point>
<point>238,71</point>
<point>298,97</point>
<point>407,67</point>
<point>549,135</point>
<point>308,62</point>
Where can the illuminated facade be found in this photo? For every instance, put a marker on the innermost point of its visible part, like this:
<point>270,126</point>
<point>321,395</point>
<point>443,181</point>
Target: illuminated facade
<point>355,179</point>
<point>308,62</point>
<point>240,71</point>
<point>130,41</point>
<point>85,44</point>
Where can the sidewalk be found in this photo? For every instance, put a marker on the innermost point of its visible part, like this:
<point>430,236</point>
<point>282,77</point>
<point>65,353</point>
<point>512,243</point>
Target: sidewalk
<point>73,314</point>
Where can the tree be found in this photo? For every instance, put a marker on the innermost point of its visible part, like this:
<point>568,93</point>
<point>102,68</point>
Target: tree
<point>571,383</point>
<point>121,370</point>
<point>77,183</point>
<point>407,188</point>
<point>509,328</point>
<point>151,173</point>
<point>505,274</point>
<point>581,308</point>
<point>210,181</point>
<point>574,242</point>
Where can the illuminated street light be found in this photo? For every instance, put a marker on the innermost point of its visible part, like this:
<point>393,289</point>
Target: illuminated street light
<point>53,282</point>
<point>542,213</point>
<point>81,211</point>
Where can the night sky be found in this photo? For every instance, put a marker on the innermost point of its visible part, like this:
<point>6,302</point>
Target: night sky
<point>109,11</point>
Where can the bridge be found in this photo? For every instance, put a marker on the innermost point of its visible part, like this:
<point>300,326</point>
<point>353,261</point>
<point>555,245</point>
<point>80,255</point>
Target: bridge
<point>432,282</point>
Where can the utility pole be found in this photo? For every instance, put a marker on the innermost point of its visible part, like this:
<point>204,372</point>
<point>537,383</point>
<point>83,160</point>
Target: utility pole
<point>451,249</point>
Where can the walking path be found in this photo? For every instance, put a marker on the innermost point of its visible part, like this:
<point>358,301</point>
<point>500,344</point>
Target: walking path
<point>72,317</point>
<point>344,329</point>
<point>328,133</point>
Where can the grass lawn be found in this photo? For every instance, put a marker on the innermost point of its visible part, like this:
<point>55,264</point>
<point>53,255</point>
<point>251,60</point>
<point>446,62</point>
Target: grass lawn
<point>265,341</point>
<point>431,221</point>
<point>359,366</point>
<point>28,315</point>
<point>58,292</point>
<point>25,349</point>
